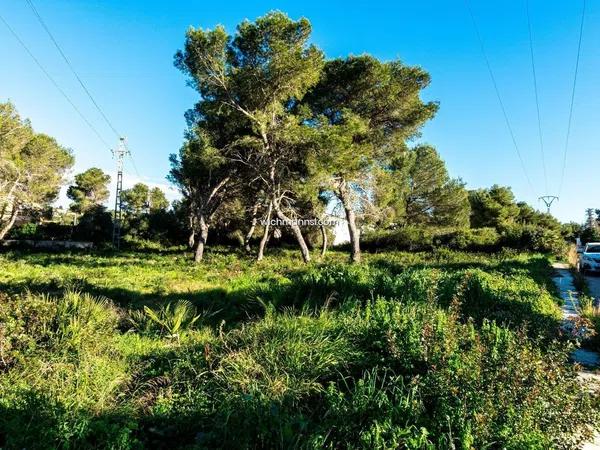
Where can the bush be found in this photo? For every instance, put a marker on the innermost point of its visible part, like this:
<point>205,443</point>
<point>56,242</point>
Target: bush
<point>416,350</point>
<point>383,375</point>
<point>531,237</point>
<point>25,231</point>
<point>95,225</point>
<point>472,239</point>
<point>426,239</point>
<point>515,236</point>
<point>61,374</point>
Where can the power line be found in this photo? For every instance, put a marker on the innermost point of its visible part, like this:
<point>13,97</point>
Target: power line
<point>495,84</point>
<point>562,176</point>
<point>83,86</point>
<point>80,81</point>
<point>537,101</point>
<point>134,166</point>
<point>64,94</point>
<point>68,62</point>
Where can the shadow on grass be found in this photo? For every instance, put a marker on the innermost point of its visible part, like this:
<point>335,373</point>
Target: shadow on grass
<point>39,421</point>
<point>316,286</point>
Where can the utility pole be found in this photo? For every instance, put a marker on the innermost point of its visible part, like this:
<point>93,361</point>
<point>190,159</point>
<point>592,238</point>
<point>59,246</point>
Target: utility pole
<point>119,154</point>
<point>548,200</point>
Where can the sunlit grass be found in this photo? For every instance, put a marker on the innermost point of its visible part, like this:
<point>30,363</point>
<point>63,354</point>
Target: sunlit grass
<point>150,350</point>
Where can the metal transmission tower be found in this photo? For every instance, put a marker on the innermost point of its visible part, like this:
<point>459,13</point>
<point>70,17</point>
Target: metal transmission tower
<point>548,200</point>
<point>119,154</point>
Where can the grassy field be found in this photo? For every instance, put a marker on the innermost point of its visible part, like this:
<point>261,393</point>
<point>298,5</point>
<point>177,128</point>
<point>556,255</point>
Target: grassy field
<point>406,350</point>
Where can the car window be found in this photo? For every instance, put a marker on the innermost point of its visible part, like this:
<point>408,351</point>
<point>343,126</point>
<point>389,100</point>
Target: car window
<point>593,249</point>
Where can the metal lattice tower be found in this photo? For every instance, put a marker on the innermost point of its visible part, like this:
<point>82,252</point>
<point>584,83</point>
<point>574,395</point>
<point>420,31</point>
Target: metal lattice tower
<point>548,200</point>
<point>119,154</point>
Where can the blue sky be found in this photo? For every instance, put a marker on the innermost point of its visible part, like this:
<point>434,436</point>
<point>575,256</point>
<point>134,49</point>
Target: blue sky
<point>123,50</point>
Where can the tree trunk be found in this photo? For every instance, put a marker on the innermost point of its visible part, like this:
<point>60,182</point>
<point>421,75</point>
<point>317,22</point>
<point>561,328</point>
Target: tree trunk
<point>324,241</point>
<point>199,254</point>
<point>192,237</point>
<point>8,198</point>
<point>11,221</point>
<point>351,219</point>
<point>265,236</point>
<point>252,228</point>
<point>354,235</point>
<point>296,231</point>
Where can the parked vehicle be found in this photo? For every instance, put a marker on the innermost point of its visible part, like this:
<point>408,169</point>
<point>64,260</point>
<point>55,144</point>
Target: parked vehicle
<point>589,258</point>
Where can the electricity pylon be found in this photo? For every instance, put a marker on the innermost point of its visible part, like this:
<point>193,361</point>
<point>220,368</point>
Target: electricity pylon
<point>548,200</point>
<point>119,154</point>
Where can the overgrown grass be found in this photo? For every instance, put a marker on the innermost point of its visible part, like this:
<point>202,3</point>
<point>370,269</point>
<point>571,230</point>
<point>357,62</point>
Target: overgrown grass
<point>429,350</point>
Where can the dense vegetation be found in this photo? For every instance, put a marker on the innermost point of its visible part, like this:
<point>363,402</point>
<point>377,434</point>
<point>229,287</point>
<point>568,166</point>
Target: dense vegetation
<point>409,350</point>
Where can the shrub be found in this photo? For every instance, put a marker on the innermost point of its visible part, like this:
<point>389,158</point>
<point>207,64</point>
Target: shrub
<point>173,319</point>
<point>94,225</point>
<point>516,236</point>
<point>61,384</point>
<point>382,375</point>
<point>417,350</point>
<point>25,231</point>
<point>424,239</point>
<point>473,239</point>
<point>532,237</point>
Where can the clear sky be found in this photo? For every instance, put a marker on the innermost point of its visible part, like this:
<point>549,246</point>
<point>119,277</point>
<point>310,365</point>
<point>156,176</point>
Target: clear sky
<point>123,50</point>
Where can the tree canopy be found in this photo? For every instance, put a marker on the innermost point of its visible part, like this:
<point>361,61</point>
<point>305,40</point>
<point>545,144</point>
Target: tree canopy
<point>249,84</point>
<point>32,168</point>
<point>371,109</point>
<point>90,190</point>
<point>417,190</point>
<point>290,125</point>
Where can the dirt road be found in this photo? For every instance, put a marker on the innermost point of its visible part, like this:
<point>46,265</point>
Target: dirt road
<point>587,358</point>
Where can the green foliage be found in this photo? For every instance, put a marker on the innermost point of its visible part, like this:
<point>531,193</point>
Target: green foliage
<point>590,312</point>
<point>409,350</point>
<point>570,231</point>
<point>534,237</point>
<point>141,198</point>
<point>158,200</point>
<point>136,199</point>
<point>364,112</point>
<point>61,375</point>
<point>421,238</point>
<point>515,236</point>
<point>244,123</point>
<point>590,234</point>
<point>519,225</point>
<point>173,319</point>
<point>32,168</point>
<point>26,231</point>
<point>492,207</point>
<point>95,225</point>
<point>89,191</point>
<point>415,190</point>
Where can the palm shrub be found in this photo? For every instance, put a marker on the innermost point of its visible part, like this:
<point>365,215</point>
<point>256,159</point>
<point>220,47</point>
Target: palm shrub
<point>173,319</point>
<point>80,317</point>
